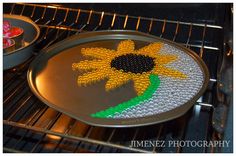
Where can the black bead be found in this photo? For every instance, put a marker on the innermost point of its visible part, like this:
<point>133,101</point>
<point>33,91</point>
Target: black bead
<point>134,63</point>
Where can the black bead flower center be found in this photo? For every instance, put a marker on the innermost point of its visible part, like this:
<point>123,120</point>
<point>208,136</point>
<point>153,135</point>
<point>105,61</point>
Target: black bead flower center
<point>133,63</point>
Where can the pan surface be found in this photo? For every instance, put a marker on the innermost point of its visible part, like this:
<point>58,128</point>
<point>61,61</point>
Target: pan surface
<point>85,77</point>
<point>31,34</point>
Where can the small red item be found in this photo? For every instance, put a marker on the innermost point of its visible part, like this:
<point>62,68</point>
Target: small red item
<point>6,43</point>
<point>15,31</point>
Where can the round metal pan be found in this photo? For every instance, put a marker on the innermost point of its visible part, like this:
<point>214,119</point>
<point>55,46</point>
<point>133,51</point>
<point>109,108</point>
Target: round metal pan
<point>52,80</point>
<point>31,34</point>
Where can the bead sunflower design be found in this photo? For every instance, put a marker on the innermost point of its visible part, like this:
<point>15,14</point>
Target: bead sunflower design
<point>142,66</point>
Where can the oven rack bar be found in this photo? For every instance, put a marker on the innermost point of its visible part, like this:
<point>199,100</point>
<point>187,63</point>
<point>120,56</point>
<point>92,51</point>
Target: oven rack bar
<point>78,30</point>
<point>120,15</point>
<point>84,139</point>
<point>12,150</point>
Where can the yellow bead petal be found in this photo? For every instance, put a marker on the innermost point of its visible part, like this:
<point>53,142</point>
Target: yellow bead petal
<point>101,53</point>
<point>151,50</point>
<point>126,46</point>
<point>92,77</point>
<point>164,59</point>
<point>169,72</point>
<point>141,83</point>
<point>90,64</point>
<point>116,79</point>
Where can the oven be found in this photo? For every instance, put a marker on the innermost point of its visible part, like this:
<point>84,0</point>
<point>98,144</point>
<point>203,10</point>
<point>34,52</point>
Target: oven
<point>29,125</point>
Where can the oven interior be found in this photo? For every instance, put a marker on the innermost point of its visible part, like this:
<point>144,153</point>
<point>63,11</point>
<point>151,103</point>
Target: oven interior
<point>31,126</point>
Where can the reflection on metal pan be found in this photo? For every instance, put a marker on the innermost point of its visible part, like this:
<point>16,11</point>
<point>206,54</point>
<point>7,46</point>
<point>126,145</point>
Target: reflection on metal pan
<point>118,78</point>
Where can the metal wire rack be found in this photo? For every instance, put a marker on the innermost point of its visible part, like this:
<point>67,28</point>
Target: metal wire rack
<point>31,126</point>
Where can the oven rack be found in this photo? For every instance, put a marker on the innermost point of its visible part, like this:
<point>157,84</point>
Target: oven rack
<point>31,118</point>
<point>102,15</point>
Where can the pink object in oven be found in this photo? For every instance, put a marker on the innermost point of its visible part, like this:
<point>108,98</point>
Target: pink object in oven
<point>6,26</point>
<point>9,31</point>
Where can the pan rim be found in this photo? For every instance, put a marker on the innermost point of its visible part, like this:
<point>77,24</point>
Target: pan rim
<point>131,122</point>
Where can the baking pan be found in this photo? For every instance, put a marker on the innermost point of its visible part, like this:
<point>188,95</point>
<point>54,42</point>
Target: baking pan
<point>31,34</point>
<point>54,79</point>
